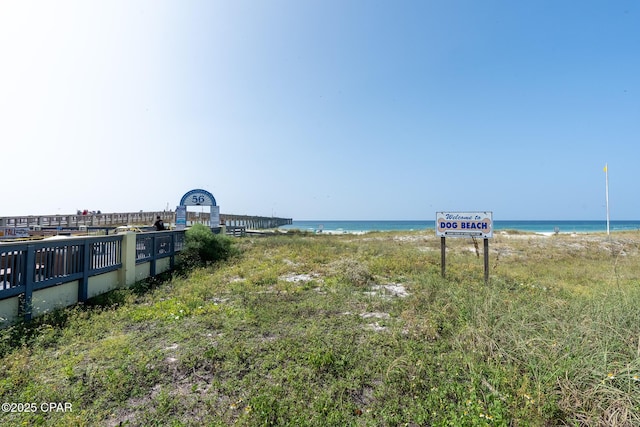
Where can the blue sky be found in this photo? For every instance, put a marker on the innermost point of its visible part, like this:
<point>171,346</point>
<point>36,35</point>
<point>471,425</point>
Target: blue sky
<point>329,109</point>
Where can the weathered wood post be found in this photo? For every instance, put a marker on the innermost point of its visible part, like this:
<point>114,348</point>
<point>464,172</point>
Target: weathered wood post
<point>486,261</point>
<point>443,256</point>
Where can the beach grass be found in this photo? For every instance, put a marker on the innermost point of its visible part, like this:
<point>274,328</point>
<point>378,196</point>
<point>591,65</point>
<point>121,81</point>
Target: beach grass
<point>332,330</point>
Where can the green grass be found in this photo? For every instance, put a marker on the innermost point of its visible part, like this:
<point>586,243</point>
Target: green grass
<point>314,330</point>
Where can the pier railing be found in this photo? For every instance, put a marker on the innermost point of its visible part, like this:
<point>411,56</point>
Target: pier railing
<point>88,220</point>
<point>39,276</point>
<point>107,220</point>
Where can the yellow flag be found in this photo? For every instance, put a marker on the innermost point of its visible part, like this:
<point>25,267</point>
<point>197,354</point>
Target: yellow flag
<point>605,168</point>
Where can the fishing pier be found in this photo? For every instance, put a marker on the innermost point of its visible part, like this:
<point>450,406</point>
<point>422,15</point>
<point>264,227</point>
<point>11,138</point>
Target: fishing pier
<point>106,221</point>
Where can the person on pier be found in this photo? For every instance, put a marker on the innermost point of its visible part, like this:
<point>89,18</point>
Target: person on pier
<point>159,225</point>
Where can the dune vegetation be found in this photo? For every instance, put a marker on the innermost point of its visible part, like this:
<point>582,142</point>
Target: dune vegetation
<point>299,329</point>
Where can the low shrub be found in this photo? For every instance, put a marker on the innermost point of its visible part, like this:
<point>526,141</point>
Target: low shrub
<point>203,247</point>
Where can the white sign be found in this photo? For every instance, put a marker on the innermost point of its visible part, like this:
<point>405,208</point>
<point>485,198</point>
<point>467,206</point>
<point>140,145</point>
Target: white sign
<point>181,217</point>
<point>14,232</point>
<point>464,224</point>
<point>214,219</point>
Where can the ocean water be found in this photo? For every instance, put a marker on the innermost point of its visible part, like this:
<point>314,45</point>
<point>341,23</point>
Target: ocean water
<point>546,226</point>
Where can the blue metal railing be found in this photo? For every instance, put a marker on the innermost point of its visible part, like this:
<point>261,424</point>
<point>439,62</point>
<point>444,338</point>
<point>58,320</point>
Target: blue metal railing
<point>161,244</point>
<point>26,267</point>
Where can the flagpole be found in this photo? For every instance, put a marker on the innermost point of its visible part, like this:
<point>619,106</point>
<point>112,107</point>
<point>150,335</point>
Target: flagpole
<point>606,174</point>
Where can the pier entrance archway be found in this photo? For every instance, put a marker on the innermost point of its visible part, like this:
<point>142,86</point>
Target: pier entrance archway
<point>194,198</point>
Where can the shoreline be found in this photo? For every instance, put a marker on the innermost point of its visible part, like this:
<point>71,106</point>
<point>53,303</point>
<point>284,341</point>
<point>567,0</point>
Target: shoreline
<point>501,232</point>
<point>543,227</point>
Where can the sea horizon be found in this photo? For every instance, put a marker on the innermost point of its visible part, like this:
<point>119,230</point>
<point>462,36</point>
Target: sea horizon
<point>535,226</point>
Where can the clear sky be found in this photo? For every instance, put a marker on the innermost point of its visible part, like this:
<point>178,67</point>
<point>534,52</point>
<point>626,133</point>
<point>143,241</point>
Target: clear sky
<point>322,109</point>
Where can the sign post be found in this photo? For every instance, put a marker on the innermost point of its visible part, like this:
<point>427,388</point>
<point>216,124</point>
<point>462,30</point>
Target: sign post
<point>443,256</point>
<point>465,224</point>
